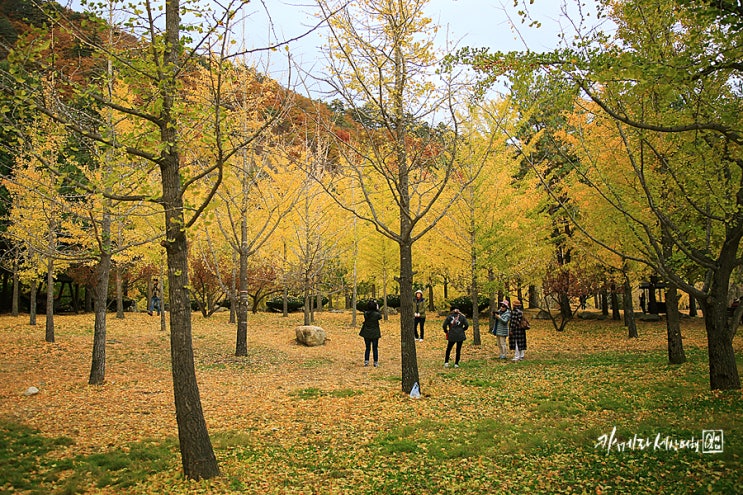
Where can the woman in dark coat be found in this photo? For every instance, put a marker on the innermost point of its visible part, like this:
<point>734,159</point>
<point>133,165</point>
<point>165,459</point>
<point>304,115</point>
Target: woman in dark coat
<point>517,335</point>
<point>370,331</point>
<point>454,326</point>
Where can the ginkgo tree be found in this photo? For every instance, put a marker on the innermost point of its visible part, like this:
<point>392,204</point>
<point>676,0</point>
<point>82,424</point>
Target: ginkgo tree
<point>178,134</point>
<point>668,78</point>
<point>44,209</point>
<point>382,68</point>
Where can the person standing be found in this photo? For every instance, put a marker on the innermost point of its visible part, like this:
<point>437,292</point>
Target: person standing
<point>454,326</point>
<point>517,335</point>
<point>420,314</point>
<point>371,332</point>
<point>500,328</point>
<point>155,299</point>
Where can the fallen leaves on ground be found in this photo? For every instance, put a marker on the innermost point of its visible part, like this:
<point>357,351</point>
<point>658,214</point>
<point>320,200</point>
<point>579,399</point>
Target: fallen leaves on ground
<point>320,398</point>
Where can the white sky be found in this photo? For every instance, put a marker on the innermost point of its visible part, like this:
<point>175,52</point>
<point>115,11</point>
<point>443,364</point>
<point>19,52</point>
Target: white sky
<point>476,23</point>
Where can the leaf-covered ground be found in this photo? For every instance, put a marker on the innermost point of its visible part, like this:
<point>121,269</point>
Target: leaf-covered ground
<point>292,419</point>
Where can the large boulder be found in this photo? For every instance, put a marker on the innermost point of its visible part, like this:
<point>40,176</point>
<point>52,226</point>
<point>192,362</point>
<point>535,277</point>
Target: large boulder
<point>310,335</point>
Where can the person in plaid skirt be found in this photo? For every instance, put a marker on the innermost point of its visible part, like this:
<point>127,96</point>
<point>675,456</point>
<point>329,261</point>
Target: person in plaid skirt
<point>517,335</point>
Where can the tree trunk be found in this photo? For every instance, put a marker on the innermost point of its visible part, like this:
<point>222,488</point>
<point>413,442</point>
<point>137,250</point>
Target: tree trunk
<point>119,292</point>
<point>474,285</point>
<point>50,300</point>
<point>723,370</point>
<point>604,302</point>
<point>32,302</point>
<point>692,306</point>
<point>493,303</point>
<point>197,454</point>
<point>241,344</point>
<point>16,289</point>
<point>100,303</point>
<point>676,353</point>
<point>408,354</point>
<point>615,303</point>
<point>629,312</point>
<point>533,297</point>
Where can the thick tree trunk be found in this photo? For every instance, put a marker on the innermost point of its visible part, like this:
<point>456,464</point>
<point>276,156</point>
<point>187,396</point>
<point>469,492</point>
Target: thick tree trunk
<point>676,353</point>
<point>723,369</point>
<point>197,454</point>
<point>533,297</point>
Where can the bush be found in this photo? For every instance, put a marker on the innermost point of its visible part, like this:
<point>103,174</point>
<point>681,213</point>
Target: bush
<point>293,303</point>
<point>393,301</point>
<point>277,304</point>
<point>464,303</point>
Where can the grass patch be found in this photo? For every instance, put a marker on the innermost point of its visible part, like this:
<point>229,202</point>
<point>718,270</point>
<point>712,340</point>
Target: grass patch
<point>28,463</point>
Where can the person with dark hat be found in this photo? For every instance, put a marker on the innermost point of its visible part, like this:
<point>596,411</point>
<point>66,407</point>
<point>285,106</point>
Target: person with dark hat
<point>454,326</point>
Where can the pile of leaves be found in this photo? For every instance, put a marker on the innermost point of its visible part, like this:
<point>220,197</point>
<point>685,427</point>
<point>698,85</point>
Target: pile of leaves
<point>294,419</point>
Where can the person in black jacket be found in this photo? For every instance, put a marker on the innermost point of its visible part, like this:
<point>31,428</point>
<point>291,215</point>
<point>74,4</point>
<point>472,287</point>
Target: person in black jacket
<point>454,326</point>
<point>370,331</point>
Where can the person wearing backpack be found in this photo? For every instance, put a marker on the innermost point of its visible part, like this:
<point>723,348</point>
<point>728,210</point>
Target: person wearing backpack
<point>454,326</point>
<point>500,328</point>
<point>517,334</point>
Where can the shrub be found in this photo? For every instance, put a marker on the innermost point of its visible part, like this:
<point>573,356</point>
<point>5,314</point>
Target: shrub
<point>277,304</point>
<point>393,301</point>
<point>464,303</point>
<point>294,303</point>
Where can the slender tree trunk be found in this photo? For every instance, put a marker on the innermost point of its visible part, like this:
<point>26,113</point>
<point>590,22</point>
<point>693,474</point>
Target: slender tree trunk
<point>233,296</point>
<point>493,305</point>
<point>408,354</point>
<point>32,302</point>
<point>285,292</point>
<point>692,306</point>
<point>119,292</point>
<point>676,353</point>
<point>16,289</point>
<point>100,300</point>
<point>50,300</point>
<point>474,283</point>
<point>241,345</point>
<point>629,312</point>
<point>604,301</point>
